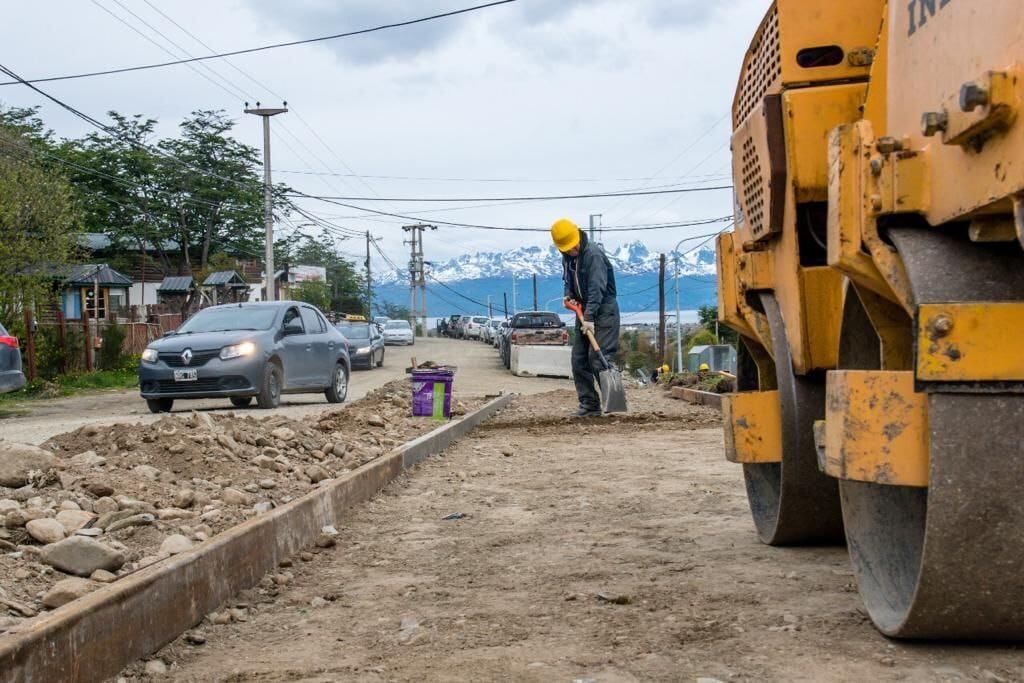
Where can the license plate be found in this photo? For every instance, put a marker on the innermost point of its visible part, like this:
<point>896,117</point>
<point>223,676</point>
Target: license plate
<point>186,375</point>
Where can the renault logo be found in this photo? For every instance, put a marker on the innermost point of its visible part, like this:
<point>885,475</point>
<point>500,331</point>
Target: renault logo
<point>186,356</point>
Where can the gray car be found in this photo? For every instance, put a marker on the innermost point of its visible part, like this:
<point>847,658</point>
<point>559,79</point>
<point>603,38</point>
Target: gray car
<point>11,377</point>
<point>366,343</point>
<point>245,351</point>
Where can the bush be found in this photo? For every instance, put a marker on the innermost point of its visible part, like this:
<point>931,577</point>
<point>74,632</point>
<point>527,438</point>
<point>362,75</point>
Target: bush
<point>111,355</point>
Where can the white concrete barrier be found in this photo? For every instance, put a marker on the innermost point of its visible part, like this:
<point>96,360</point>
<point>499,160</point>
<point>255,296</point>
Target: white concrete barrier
<point>542,361</point>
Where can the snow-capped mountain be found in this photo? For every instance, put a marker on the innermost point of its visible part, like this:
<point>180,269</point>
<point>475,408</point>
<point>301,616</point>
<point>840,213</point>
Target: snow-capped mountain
<point>631,258</point>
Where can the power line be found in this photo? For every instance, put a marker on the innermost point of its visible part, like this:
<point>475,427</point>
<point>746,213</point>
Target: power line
<point>262,48</point>
<point>632,193</point>
<point>501,180</point>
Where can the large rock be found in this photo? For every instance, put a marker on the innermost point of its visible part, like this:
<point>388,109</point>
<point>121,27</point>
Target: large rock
<point>67,590</point>
<point>81,556</point>
<point>87,459</point>
<point>283,433</point>
<point>174,544</point>
<point>18,459</point>
<point>46,530</point>
<point>73,520</point>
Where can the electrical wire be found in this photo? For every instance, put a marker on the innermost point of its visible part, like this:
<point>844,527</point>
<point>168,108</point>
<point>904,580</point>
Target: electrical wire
<point>262,48</point>
<point>501,180</point>
<point>631,193</point>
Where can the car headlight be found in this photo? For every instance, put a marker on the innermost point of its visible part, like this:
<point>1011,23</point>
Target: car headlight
<point>362,349</point>
<point>237,350</point>
<point>150,355</point>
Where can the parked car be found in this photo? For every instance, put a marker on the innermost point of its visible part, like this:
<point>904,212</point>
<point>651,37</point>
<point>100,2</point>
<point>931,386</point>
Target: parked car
<point>533,328</point>
<point>487,333</point>
<point>499,332</point>
<point>475,325</point>
<point>381,320</point>
<point>399,332</point>
<point>365,343</point>
<point>455,326</point>
<point>11,376</point>
<point>245,351</point>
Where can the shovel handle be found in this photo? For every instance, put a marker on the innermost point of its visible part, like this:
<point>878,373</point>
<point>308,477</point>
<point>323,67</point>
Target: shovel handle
<point>575,306</point>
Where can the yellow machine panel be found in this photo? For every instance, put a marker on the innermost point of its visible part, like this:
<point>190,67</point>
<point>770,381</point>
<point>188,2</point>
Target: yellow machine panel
<point>753,427</point>
<point>970,342</point>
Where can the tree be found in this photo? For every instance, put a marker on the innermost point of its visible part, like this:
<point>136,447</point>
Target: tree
<point>316,292</point>
<point>708,316</point>
<point>346,286</point>
<point>392,311</point>
<point>39,222</point>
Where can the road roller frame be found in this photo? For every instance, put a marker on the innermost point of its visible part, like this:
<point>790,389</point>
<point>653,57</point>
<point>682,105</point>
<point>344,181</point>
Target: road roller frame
<point>876,279</point>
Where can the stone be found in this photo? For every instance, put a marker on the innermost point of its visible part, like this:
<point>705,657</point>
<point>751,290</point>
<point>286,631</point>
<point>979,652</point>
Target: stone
<point>69,505</point>
<point>19,518</point>
<point>7,505</point>
<point>232,496</point>
<point>174,544</point>
<point>325,541</point>
<point>147,471</point>
<point>73,520</point>
<point>318,602</point>
<point>156,667</point>
<point>283,434</point>
<point>316,473</point>
<point>99,488</point>
<point>103,505</point>
<point>17,460</point>
<point>176,449</point>
<point>67,590</point>
<point>103,576</point>
<point>375,421</point>
<point>211,516</point>
<point>267,484</point>
<point>220,618</point>
<point>507,452</point>
<point>141,519</point>
<point>46,530</point>
<point>174,513</point>
<point>89,531</point>
<point>81,556</point>
<point>263,462</point>
<point>87,459</point>
<point>306,556</point>
<point>24,493</point>
<point>184,498</point>
<point>251,488</point>
<point>339,450</point>
<point>195,638</point>
<point>262,507</point>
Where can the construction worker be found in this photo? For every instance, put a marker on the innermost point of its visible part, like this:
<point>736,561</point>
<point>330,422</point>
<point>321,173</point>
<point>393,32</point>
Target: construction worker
<point>589,279</point>
<point>665,370</point>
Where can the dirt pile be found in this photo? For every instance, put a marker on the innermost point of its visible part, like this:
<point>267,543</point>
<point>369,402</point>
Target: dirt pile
<point>115,499</point>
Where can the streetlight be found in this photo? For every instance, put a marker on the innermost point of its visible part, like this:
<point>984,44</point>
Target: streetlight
<point>679,326</point>
<point>268,192</point>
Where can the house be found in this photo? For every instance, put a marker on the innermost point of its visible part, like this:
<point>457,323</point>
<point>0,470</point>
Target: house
<point>179,293</point>
<point>95,288</point>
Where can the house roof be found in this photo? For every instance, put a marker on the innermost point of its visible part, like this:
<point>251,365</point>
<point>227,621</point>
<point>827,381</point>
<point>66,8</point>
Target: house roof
<point>224,277</point>
<point>699,349</point>
<point>94,273</point>
<point>178,284</point>
<point>98,241</point>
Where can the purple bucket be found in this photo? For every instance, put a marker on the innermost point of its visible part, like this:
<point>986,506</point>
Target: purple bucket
<point>423,382</point>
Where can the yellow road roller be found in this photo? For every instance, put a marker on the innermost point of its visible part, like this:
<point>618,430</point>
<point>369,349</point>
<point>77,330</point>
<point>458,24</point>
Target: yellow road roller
<point>875,276</point>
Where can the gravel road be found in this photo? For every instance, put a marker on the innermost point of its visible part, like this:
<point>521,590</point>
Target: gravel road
<point>481,373</point>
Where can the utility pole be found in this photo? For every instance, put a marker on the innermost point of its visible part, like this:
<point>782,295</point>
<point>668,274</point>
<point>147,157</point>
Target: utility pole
<point>268,192</point>
<point>679,324</point>
<point>661,309</point>
<point>515,309</point>
<point>535,303</point>
<point>417,272</point>
<point>369,281</point>
<point>594,224</point>
<point>505,296</point>
<point>490,311</point>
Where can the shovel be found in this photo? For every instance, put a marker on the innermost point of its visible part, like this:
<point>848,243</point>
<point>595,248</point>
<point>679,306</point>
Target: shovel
<point>613,393</point>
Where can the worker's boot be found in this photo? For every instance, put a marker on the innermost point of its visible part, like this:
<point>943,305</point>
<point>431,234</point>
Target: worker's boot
<point>586,412</point>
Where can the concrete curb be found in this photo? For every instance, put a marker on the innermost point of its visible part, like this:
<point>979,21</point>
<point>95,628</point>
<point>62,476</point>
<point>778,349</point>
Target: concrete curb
<point>705,398</point>
<point>95,637</point>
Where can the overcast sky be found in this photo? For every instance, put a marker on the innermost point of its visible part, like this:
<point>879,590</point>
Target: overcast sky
<point>562,96</point>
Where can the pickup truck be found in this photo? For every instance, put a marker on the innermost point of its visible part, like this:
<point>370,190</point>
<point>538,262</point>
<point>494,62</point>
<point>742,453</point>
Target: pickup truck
<point>533,328</point>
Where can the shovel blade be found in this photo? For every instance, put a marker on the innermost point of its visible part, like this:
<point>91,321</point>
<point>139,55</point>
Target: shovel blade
<point>613,393</point>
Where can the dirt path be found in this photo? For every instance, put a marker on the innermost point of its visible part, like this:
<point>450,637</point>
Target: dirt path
<point>563,522</point>
<point>482,374</point>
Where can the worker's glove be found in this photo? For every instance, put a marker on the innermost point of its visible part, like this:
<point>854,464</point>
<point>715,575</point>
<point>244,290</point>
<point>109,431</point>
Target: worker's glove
<point>587,326</point>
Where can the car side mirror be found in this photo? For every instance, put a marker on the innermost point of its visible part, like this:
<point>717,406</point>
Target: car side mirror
<point>293,327</point>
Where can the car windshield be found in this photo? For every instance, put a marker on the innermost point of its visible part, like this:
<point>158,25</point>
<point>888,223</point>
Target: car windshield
<point>359,331</point>
<point>537,320</point>
<point>3,332</point>
<point>229,319</point>
<point>482,321</point>
<point>398,325</point>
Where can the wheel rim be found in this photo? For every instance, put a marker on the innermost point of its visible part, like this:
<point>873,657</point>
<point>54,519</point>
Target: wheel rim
<point>340,381</point>
<point>275,386</point>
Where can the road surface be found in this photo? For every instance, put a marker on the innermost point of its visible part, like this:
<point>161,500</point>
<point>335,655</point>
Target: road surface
<point>480,373</point>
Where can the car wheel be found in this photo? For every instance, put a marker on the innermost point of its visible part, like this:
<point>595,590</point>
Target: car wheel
<point>160,405</point>
<point>338,390</point>
<point>380,363</point>
<point>241,401</point>
<point>270,391</point>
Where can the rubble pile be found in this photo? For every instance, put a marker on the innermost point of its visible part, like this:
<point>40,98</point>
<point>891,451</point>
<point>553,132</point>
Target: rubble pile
<point>97,503</point>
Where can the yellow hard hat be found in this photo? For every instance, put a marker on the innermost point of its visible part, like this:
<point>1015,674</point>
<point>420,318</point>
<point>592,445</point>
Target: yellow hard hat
<point>704,367</point>
<point>565,234</point>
